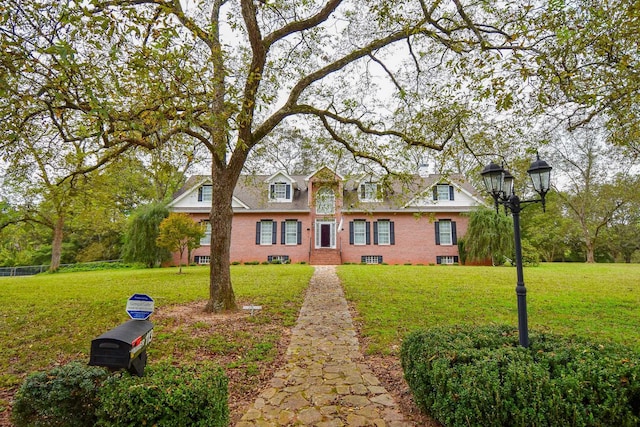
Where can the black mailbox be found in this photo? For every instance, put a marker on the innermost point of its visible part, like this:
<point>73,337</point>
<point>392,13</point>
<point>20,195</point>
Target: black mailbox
<point>124,346</point>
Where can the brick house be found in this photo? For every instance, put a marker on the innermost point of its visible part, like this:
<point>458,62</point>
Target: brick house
<point>324,218</point>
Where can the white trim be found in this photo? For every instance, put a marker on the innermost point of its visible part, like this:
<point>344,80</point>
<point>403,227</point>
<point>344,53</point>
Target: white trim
<point>318,234</point>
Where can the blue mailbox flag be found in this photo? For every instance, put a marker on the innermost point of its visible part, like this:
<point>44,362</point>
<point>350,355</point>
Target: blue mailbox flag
<point>140,306</point>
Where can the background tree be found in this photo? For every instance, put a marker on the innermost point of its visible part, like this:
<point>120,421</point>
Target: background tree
<point>178,232</point>
<point>489,236</point>
<point>597,180</point>
<point>548,231</point>
<point>142,231</point>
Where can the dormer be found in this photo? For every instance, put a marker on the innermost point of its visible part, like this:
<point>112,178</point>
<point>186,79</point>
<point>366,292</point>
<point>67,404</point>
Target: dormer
<point>280,187</point>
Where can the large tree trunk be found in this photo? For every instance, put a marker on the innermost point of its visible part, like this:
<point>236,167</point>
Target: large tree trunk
<point>56,245</point>
<point>221,296</point>
<point>590,252</point>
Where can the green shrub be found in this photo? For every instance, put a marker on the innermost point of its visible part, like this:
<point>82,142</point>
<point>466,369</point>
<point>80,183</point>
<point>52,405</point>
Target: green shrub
<point>481,376</point>
<point>64,396</point>
<point>166,396</point>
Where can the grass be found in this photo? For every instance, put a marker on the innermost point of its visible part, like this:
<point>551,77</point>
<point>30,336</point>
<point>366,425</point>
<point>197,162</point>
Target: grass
<point>599,301</point>
<point>51,318</point>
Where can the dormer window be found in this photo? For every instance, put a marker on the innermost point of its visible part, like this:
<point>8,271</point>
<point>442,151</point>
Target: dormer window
<point>443,192</point>
<point>280,192</point>
<point>369,192</point>
<point>204,193</point>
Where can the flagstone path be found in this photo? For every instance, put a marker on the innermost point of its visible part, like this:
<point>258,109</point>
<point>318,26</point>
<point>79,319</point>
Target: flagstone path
<point>325,382</point>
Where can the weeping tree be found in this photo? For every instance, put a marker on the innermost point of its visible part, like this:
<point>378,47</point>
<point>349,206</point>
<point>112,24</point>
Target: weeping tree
<point>489,236</point>
<point>370,77</point>
<point>141,234</point>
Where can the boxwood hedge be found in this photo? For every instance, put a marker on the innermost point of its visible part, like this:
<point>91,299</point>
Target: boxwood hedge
<point>480,376</point>
<point>79,395</point>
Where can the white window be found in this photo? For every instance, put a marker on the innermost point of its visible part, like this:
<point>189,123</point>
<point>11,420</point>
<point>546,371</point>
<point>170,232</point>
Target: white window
<point>371,259</point>
<point>291,232</point>
<point>280,191</point>
<point>266,232</point>
<point>204,193</point>
<point>368,191</point>
<point>325,202</point>
<point>447,260</point>
<point>203,259</point>
<point>445,232</point>
<point>384,232</point>
<point>359,232</point>
<point>206,239</point>
<point>443,192</point>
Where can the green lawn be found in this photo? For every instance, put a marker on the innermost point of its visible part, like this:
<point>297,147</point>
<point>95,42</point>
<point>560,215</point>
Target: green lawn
<point>52,318</point>
<point>600,301</point>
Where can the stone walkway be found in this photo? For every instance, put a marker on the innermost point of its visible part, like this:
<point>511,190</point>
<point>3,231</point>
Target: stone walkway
<point>325,382</point>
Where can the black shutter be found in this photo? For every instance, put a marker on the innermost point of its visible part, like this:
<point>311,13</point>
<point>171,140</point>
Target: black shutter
<point>362,191</point>
<point>288,191</point>
<point>454,234</point>
<point>272,191</point>
<point>283,237</point>
<point>379,259</point>
<point>456,259</point>
<point>438,260</point>
<point>392,233</point>
<point>437,233</point>
<point>274,234</point>
<point>351,232</point>
<point>258,233</point>
<point>435,193</point>
<point>299,232</point>
<point>375,233</point>
<point>451,192</point>
<point>200,194</point>
<point>269,258</point>
<point>367,229</point>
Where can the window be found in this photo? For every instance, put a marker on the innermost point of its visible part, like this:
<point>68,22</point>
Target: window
<point>369,191</point>
<point>447,260</point>
<point>446,232</point>
<point>280,191</point>
<point>278,259</point>
<point>266,232</point>
<point>359,232</point>
<point>204,193</point>
<point>443,192</point>
<point>371,259</point>
<point>325,202</point>
<point>206,239</point>
<point>383,232</point>
<point>291,230</point>
<point>202,259</point>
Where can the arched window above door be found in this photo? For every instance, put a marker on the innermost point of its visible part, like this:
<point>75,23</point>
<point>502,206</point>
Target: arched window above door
<point>325,201</point>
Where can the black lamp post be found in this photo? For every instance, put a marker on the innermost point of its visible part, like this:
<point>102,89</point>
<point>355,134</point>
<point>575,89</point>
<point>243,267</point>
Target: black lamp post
<point>499,183</point>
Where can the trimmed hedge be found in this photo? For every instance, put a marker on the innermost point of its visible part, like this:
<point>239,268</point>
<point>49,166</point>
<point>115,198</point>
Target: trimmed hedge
<point>166,396</point>
<point>66,396</point>
<point>80,395</point>
<point>465,375</point>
